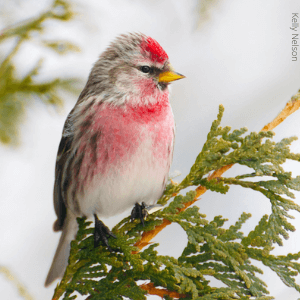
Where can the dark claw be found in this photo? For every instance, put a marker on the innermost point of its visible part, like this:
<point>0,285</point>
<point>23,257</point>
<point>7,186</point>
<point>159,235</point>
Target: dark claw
<point>102,233</point>
<point>139,212</point>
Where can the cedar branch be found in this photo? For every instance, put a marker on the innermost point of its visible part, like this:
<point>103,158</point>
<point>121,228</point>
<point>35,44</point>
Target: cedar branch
<point>289,108</point>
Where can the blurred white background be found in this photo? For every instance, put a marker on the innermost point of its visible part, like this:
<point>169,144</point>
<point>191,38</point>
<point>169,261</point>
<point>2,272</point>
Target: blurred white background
<point>240,57</point>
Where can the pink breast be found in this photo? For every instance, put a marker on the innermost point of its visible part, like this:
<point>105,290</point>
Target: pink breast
<point>122,131</point>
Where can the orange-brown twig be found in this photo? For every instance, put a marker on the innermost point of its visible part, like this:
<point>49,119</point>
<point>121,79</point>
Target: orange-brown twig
<point>290,107</point>
<point>152,290</point>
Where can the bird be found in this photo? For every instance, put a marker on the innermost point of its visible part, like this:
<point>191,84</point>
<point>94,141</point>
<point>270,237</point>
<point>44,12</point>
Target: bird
<point>117,142</point>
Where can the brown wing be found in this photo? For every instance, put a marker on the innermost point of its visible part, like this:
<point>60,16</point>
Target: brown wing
<point>58,198</point>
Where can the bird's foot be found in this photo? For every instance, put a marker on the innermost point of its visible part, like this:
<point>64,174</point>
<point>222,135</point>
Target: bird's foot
<point>141,211</point>
<point>102,233</point>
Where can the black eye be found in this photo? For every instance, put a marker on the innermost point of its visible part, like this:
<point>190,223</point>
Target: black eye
<point>145,69</point>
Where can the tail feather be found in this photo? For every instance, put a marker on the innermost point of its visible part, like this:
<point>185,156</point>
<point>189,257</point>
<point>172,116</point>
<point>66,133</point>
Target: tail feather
<point>60,260</point>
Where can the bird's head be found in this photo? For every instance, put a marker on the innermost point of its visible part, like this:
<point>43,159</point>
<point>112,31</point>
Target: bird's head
<point>133,68</point>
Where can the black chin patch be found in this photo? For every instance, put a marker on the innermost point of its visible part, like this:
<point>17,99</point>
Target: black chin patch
<point>163,85</point>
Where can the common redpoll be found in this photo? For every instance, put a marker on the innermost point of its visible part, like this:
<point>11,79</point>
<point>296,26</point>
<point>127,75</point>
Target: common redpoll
<point>117,142</point>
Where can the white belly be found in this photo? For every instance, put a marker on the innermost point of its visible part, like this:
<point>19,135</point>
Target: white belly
<point>140,179</point>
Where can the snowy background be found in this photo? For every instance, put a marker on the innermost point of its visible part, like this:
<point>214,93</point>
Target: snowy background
<point>240,57</point>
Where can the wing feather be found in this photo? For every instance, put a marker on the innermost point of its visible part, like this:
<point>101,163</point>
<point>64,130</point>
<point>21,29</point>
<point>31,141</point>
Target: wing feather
<point>63,153</point>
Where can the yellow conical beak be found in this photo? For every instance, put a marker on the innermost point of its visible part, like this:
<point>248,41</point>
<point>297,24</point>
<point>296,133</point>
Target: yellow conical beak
<point>169,76</point>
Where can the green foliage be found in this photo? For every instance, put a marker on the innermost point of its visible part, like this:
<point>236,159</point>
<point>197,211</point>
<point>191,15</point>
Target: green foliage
<point>228,255</point>
<point>22,290</point>
<point>205,9</point>
<point>15,92</point>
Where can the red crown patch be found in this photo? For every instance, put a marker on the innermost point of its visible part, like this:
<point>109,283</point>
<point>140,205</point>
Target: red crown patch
<point>157,53</point>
